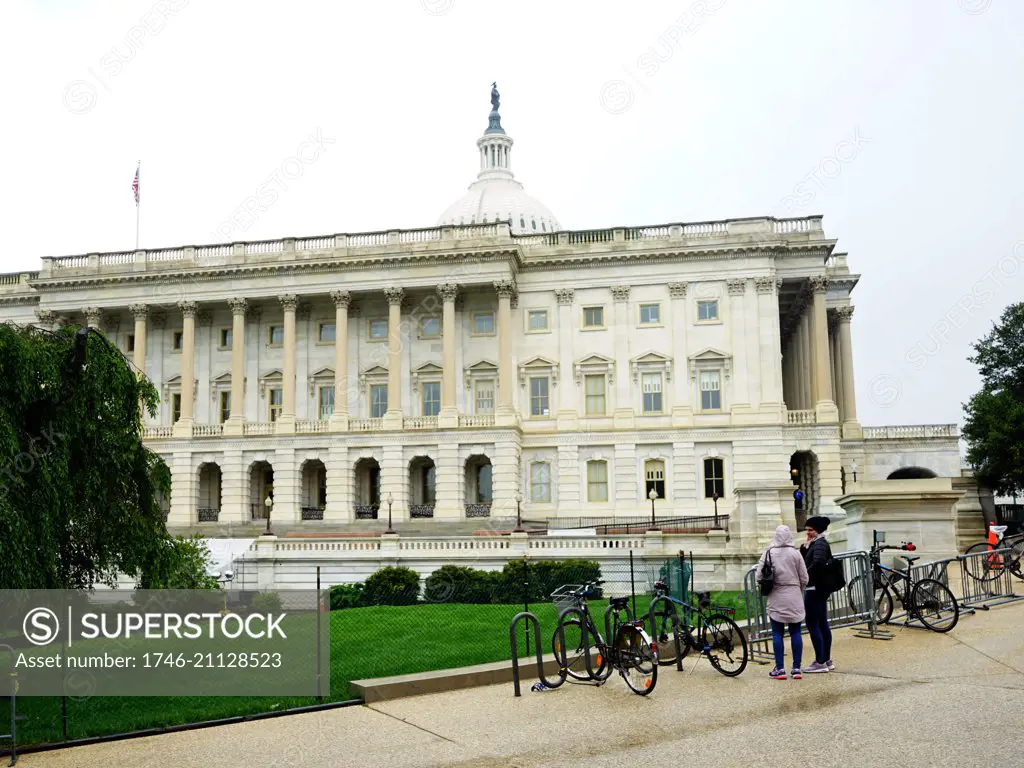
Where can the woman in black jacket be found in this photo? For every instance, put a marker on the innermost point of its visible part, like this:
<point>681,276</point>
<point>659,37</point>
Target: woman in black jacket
<point>816,554</point>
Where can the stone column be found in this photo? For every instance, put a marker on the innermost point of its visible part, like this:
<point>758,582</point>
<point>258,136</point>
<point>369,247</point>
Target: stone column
<point>393,416</point>
<point>235,424</point>
<point>682,409</point>
<point>770,343</point>
<point>286,421</point>
<point>851,426</point>
<point>339,419</point>
<point>141,314</point>
<point>93,317</point>
<point>183,427</point>
<point>568,415</point>
<point>740,380</point>
<point>623,414</point>
<point>806,370</point>
<point>825,408</point>
<point>836,363</point>
<point>449,415</point>
<point>506,415</point>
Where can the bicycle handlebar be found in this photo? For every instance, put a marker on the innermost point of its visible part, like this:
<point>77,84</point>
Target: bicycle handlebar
<point>906,546</point>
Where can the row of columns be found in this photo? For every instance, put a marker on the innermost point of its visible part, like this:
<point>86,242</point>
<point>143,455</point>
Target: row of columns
<point>808,367</point>
<point>506,290</point>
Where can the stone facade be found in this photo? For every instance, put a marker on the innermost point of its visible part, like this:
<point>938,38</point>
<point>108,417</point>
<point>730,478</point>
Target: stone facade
<point>455,367</point>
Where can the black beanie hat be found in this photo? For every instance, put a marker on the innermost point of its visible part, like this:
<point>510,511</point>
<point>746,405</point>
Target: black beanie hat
<point>818,523</point>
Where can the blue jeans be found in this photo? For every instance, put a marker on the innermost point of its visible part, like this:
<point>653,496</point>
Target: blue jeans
<point>779,645</point>
<point>816,605</point>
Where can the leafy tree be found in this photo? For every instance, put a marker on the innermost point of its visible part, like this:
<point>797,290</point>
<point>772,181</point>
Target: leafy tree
<point>994,424</point>
<point>179,563</point>
<point>78,489</point>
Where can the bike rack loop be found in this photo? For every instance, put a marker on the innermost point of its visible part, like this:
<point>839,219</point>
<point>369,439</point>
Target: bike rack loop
<point>675,627</point>
<point>513,638</point>
<point>13,735</point>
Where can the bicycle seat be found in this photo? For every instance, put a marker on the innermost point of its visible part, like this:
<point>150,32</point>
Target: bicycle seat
<point>910,560</point>
<point>618,603</point>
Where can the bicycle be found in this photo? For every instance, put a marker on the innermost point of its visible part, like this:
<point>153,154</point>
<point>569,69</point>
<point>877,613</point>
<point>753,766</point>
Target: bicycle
<point>630,653</point>
<point>712,634</point>
<point>929,600</point>
<point>989,568</point>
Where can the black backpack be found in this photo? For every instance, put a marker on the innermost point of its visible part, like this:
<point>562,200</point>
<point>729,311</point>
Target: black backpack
<point>767,574</point>
<point>831,579</point>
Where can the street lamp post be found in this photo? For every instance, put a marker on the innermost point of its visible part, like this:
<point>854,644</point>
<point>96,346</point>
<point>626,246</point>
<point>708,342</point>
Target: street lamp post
<point>519,518</point>
<point>652,496</point>
<point>391,500</point>
<point>269,504</point>
<point>715,497</point>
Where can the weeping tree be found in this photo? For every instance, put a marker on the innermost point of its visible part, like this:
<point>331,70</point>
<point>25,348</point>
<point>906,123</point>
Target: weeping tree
<point>79,492</point>
<point>994,423</point>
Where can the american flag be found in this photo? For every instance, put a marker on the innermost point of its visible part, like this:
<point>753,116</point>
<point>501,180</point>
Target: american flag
<point>135,184</point>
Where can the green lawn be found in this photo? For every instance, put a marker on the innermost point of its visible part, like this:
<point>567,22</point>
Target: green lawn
<point>365,643</point>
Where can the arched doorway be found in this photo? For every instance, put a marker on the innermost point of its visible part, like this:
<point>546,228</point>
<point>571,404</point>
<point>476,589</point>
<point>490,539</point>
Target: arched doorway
<point>803,472</point>
<point>422,487</point>
<point>367,489</point>
<point>208,508</point>
<point>261,487</point>
<point>479,493</point>
<point>911,473</point>
<point>314,490</point>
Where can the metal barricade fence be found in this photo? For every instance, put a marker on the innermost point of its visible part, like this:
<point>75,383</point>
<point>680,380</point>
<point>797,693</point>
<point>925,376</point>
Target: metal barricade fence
<point>850,606</point>
<point>995,586</point>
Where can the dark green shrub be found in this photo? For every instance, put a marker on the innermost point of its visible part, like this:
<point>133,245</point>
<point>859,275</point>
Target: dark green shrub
<point>348,596</point>
<point>542,578</point>
<point>393,586</point>
<point>266,602</point>
<point>458,584</point>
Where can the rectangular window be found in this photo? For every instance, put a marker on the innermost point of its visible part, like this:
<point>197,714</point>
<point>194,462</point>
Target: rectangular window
<point>654,478</point>
<point>431,398</point>
<point>325,332</point>
<point>540,482</point>
<point>707,311</point>
<point>178,340</point>
<point>714,478</point>
<point>593,317</point>
<point>485,397</point>
<point>595,395</point>
<point>276,335</point>
<point>275,403</point>
<point>225,406</point>
<point>483,323</point>
<point>175,408</point>
<point>430,328</point>
<point>131,342</point>
<point>539,396</point>
<point>650,314</point>
<point>597,481</point>
<point>226,338</point>
<point>378,330</point>
<point>651,383</point>
<point>537,320</point>
<point>378,400</point>
<point>710,391</point>
<point>325,404</point>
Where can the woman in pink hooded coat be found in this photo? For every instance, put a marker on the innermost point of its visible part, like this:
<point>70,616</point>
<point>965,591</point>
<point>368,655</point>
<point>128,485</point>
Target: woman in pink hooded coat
<point>786,600</point>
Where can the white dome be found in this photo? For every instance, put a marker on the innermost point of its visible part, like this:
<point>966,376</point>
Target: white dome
<point>492,200</point>
<point>496,195</point>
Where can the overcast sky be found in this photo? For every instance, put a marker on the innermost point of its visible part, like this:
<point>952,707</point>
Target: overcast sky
<point>623,114</point>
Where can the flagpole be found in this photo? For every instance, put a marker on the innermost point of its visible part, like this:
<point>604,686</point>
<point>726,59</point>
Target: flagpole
<point>138,209</point>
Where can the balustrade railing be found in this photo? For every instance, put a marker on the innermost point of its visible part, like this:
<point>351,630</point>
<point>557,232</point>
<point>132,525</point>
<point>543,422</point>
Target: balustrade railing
<point>800,417</point>
<point>267,246</point>
<point>107,259</point>
<point>157,433</point>
<point>480,509</point>
<point>310,426</point>
<point>366,511</point>
<point>911,432</point>
<point>477,421</point>
<point>167,254</point>
<point>314,244</point>
<point>212,252</point>
<point>207,430</point>
<point>208,514</point>
<point>421,510</point>
<point>312,513</point>
<point>365,425</point>
<point>420,422</point>
<point>258,428</point>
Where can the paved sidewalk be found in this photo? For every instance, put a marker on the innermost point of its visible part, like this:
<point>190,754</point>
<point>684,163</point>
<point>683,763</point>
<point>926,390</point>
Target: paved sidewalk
<point>921,699</point>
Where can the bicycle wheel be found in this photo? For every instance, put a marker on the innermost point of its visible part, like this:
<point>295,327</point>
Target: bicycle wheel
<point>933,603</point>
<point>575,658</point>
<point>982,568</point>
<point>724,644</point>
<point>1015,559</point>
<point>860,592</point>
<point>883,606</point>
<point>636,659</point>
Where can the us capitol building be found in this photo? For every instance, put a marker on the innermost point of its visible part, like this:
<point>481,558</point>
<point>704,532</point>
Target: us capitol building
<point>492,356</point>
